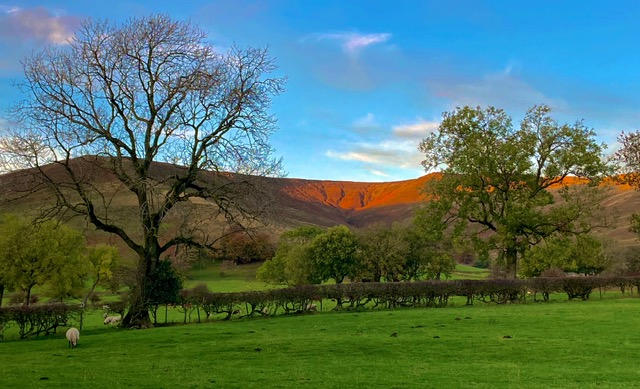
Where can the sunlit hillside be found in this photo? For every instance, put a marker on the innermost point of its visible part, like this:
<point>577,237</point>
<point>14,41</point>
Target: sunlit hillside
<point>295,202</point>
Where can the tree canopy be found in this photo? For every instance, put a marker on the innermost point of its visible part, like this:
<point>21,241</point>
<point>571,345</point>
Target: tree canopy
<point>128,96</point>
<point>46,254</point>
<point>628,158</point>
<point>291,263</point>
<point>496,179</point>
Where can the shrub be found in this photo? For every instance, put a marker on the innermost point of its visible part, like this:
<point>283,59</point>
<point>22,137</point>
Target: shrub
<point>39,319</point>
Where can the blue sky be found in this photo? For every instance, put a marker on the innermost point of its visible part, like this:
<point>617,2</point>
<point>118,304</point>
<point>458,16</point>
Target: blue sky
<point>369,79</point>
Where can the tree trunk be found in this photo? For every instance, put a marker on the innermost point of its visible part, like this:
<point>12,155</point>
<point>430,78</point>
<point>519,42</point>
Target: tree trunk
<point>511,261</point>
<point>1,293</point>
<point>138,313</point>
<point>28,298</point>
<point>93,287</point>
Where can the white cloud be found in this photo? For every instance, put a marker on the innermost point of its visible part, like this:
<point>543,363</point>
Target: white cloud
<point>379,173</point>
<point>36,24</point>
<point>9,9</point>
<point>352,42</point>
<point>390,153</point>
<point>417,130</point>
<point>397,150</point>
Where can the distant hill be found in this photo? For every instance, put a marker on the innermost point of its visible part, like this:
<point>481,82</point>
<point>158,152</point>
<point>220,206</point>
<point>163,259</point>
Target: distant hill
<point>296,202</point>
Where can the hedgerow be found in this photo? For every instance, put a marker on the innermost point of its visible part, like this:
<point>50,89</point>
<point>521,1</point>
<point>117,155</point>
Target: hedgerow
<point>35,320</point>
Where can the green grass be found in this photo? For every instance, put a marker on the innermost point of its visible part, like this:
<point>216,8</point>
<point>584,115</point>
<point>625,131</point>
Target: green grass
<point>240,278</point>
<point>555,345</point>
<point>466,272</point>
<point>219,278</point>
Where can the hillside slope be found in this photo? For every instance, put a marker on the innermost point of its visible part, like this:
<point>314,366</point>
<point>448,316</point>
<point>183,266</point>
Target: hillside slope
<point>295,202</point>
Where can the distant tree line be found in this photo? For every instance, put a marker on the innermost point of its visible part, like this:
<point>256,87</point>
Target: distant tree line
<point>312,255</point>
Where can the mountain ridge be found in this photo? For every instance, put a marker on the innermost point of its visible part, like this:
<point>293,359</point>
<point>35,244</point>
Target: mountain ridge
<point>298,201</point>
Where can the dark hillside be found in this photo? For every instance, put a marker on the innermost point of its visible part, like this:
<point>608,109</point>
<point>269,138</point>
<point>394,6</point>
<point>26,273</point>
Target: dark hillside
<point>295,202</point>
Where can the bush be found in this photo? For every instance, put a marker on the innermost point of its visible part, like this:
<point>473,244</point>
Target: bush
<point>578,287</point>
<point>39,319</point>
<point>20,297</point>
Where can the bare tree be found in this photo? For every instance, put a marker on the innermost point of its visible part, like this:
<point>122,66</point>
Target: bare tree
<point>125,97</point>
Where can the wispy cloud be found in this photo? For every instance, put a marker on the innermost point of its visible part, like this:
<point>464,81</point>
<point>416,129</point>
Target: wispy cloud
<point>504,89</point>
<point>396,150</point>
<point>367,123</point>
<point>388,152</point>
<point>417,130</point>
<point>19,24</point>
<point>379,173</point>
<point>351,42</point>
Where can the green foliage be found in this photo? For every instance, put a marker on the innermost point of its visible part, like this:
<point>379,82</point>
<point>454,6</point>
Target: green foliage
<point>41,254</point>
<point>431,253</point>
<point>382,251</point>
<point>628,159</point>
<point>38,319</point>
<point>164,284</point>
<point>334,254</point>
<point>163,287</point>
<point>102,260</point>
<point>581,254</point>
<point>624,260</point>
<point>496,178</point>
<point>292,264</point>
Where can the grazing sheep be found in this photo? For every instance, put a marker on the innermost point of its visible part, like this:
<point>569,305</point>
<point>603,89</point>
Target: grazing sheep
<point>73,335</point>
<point>113,320</point>
<point>312,307</point>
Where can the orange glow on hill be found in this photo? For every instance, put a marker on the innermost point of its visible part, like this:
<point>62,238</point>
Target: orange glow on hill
<point>358,195</point>
<point>353,196</point>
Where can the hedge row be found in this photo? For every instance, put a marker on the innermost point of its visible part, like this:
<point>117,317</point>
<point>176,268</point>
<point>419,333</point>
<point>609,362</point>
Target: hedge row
<point>305,298</point>
<point>34,320</point>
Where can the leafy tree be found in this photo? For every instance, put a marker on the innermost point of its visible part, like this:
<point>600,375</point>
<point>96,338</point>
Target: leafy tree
<point>102,261</point>
<point>496,181</point>
<point>334,254</point>
<point>625,260</point>
<point>241,247</point>
<point>291,264</point>
<point>299,266</point>
<point>581,254</point>
<point>41,254</point>
<point>381,252</point>
<point>127,97</point>
<point>164,286</point>
<point>628,158</point>
<point>431,246</point>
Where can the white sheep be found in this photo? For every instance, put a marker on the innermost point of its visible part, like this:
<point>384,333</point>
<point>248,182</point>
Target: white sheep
<point>312,307</point>
<point>113,320</point>
<point>73,335</point>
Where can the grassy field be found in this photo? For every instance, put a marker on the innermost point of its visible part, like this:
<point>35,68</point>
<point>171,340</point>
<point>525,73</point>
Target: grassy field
<point>226,278</point>
<point>466,272</point>
<point>556,345</point>
<point>221,278</point>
